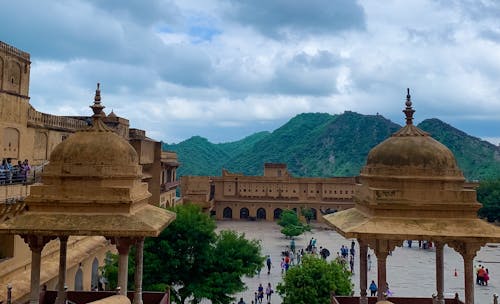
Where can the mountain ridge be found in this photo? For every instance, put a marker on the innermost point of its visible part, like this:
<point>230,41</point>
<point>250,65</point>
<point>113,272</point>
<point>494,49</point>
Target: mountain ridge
<point>322,145</point>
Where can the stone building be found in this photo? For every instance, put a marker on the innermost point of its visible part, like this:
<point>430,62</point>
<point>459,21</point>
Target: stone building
<point>26,133</point>
<point>238,196</point>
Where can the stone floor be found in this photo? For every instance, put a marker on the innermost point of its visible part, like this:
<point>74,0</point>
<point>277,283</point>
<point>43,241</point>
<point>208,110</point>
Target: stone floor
<point>410,271</point>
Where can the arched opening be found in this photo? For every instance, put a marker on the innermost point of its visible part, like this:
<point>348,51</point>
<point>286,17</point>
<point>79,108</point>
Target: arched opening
<point>79,279</point>
<point>94,279</point>
<point>277,213</point>
<point>314,214</point>
<point>261,214</point>
<point>244,213</point>
<point>227,213</point>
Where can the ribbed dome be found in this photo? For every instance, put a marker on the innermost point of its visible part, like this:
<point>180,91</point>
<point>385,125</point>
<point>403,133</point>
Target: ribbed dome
<point>94,152</point>
<point>411,152</point>
<point>95,146</point>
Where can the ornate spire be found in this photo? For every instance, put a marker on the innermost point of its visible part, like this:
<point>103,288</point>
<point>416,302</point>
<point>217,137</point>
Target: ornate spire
<point>97,107</point>
<point>408,110</point>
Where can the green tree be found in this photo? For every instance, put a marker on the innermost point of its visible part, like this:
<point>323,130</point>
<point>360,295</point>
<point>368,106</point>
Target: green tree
<point>291,224</point>
<point>232,257</point>
<point>194,261</point>
<point>314,281</point>
<point>488,194</point>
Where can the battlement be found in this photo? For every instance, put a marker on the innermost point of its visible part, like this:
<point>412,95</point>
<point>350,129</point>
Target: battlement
<point>14,51</point>
<point>36,118</point>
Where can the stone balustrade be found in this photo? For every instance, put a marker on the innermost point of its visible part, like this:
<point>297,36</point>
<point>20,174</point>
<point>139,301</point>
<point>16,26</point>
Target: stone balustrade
<point>53,121</point>
<point>13,50</point>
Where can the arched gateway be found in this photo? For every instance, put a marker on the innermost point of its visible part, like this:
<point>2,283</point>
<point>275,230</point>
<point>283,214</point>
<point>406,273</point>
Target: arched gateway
<point>261,214</point>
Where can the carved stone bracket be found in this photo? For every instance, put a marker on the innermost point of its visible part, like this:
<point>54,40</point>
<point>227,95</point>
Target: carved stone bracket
<point>468,250</point>
<point>37,242</point>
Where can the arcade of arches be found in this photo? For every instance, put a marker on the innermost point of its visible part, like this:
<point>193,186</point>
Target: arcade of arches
<point>241,197</point>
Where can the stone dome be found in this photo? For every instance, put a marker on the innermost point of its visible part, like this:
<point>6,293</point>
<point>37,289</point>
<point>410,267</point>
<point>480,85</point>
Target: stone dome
<point>95,146</point>
<point>95,151</point>
<point>411,152</point>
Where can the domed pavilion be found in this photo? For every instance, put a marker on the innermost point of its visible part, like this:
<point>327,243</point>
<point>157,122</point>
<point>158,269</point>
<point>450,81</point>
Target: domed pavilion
<point>91,187</point>
<point>412,189</point>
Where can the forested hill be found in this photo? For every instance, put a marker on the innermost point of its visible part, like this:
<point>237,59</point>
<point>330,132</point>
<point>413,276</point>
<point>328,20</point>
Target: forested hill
<point>320,144</point>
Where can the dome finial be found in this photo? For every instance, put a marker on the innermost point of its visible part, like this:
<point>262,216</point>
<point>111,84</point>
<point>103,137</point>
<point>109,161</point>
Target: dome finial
<point>408,110</point>
<point>97,107</point>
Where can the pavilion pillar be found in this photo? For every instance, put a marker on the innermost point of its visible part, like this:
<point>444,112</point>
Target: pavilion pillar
<point>36,244</point>
<point>363,271</point>
<point>61,292</point>
<point>439,272</point>
<point>139,254</point>
<point>468,252</point>
<point>381,251</point>
<point>123,247</point>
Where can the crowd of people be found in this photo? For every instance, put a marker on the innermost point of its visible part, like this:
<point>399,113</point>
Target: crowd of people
<point>17,173</point>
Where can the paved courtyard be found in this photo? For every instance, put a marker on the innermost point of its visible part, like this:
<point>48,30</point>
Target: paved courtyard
<point>410,271</point>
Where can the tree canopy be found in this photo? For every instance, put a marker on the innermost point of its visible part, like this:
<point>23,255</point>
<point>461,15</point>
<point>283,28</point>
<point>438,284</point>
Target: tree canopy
<point>194,261</point>
<point>314,281</point>
<point>291,224</point>
<point>488,194</point>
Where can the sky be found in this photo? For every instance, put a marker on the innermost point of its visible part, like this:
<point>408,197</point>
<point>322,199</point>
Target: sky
<point>226,69</point>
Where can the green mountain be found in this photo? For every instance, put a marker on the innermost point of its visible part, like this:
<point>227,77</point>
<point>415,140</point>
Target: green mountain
<point>320,144</point>
<point>477,158</point>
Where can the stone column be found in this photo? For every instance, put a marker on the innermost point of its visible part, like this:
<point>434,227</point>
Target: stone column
<point>469,277</point>
<point>363,271</point>
<point>381,251</point>
<point>468,252</point>
<point>36,244</point>
<point>439,272</point>
<point>61,292</point>
<point>123,247</point>
<point>139,252</point>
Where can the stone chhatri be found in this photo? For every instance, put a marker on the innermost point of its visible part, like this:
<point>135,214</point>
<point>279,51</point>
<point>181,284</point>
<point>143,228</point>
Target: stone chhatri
<point>92,186</point>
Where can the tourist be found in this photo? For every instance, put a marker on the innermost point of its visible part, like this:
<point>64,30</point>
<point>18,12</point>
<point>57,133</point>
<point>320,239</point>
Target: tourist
<point>269,264</point>
<point>351,264</point>
<point>269,292</point>
<point>369,263</point>
<point>256,297</point>
<point>282,265</point>
<point>260,293</point>
<point>3,172</point>
<point>26,170</point>
<point>486,277</point>
<point>476,270</point>
<point>241,301</point>
<point>409,243</point>
<point>480,275</point>
<point>373,289</point>
<point>292,258</point>
<point>388,292</point>
<point>292,245</point>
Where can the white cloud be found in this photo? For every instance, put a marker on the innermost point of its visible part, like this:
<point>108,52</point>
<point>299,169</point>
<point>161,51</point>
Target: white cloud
<point>222,69</point>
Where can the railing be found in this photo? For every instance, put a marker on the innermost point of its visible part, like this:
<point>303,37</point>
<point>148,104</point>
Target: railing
<point>169,186</point>
<point>61,122</point>
<point>13,50</point>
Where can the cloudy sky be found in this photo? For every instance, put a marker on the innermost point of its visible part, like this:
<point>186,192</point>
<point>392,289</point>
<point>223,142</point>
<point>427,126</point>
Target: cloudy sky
<point>225,69</point>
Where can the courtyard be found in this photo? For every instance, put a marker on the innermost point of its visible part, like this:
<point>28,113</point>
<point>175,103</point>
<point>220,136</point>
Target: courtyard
<point>410,271</point>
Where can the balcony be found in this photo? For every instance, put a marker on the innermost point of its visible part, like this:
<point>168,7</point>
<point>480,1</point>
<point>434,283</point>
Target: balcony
<point>169,186</point>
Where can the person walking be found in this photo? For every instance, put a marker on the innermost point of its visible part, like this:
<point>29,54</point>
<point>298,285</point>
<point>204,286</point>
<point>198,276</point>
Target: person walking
<point>269,292</point>
<point>369,263</point>
<point>373,289</point>
<point>260,293</point>
<point>269,264</point>
<point>241,301</point>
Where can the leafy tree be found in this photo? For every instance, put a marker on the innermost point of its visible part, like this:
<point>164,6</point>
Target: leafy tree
<point>488,194</point>
<point>291,224</point>
<point>194,261</point>
<point>232,257</point>
<point>314,281</point>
